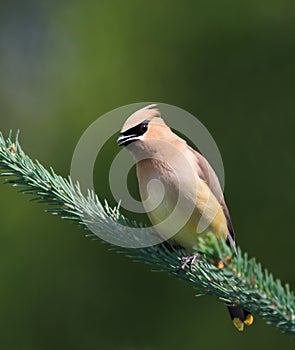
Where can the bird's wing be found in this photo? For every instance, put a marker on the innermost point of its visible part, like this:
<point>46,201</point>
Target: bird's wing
<point>208,175</point>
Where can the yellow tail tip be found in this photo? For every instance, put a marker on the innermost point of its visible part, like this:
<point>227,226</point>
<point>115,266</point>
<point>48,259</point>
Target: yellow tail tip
<point>238,324</point>
<point>249,320</point>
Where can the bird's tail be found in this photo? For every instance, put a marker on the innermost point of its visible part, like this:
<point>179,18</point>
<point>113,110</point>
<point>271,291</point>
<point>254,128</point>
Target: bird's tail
<point>240,317</point>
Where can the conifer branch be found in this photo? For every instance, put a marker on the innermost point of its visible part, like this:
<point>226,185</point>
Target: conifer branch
<point>217,272</point>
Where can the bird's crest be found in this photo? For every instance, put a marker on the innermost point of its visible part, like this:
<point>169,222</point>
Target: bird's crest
<point>146,113</point>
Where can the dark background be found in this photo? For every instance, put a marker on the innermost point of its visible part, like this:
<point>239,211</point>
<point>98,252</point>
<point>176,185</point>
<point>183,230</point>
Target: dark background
<point>63,64</point>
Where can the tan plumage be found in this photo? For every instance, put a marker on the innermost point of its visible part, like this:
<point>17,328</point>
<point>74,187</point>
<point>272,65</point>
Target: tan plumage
<point>186,175</point>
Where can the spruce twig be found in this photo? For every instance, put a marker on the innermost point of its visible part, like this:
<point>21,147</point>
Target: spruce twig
<point>235,280</point>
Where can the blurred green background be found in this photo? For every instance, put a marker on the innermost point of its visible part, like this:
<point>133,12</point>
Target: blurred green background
<point>63,64</point>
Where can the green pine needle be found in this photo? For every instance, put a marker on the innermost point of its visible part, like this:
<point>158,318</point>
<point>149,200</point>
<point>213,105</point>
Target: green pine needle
<point>217,271</point>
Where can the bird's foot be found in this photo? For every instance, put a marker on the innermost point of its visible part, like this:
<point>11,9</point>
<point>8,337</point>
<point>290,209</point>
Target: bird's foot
<point>188,261</point>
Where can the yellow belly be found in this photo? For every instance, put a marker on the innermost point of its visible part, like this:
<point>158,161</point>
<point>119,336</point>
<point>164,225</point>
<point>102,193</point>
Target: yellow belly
<point>198,213</point>
<point>206,216</point>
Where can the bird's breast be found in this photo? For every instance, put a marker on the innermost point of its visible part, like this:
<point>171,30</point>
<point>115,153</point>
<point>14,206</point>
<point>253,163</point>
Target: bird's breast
<point>181,211</point>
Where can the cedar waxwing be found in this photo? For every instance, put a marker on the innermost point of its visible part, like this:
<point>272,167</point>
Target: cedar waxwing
<point>184,173</point>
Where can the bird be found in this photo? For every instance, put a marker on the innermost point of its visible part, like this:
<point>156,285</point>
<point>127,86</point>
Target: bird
<point>178,174</point>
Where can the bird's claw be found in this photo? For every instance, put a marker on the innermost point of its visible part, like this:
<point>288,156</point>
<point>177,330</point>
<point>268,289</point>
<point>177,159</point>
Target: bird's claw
<point>188,261</point>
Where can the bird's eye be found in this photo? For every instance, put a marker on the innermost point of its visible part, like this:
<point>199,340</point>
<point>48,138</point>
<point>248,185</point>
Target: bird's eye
<point>143,127</point>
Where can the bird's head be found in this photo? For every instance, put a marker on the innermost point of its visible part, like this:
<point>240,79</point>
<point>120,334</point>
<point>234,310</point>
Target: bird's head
<point>143,129</point>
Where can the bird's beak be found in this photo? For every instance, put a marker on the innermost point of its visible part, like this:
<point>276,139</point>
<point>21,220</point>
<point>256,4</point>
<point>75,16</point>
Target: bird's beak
<point>124,140</point>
